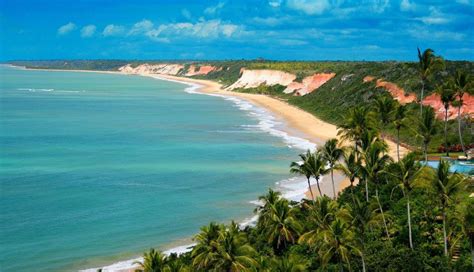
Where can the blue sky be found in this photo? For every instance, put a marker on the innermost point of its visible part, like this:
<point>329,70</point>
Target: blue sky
<point>230,29</point>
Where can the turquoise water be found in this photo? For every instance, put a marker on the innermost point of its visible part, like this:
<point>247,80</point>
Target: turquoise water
<point>96,168</point>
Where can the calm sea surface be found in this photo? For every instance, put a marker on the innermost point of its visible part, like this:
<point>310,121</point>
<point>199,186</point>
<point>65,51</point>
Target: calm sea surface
<point>96,168</point>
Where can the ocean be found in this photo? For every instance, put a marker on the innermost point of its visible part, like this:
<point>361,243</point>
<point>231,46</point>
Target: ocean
<point>97,168</point>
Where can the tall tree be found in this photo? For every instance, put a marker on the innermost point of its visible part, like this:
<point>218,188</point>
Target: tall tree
<point>318,166</point>
<point>282,228</point>
<point>446,185</point>
<point>404,173</point>
<point>303,168</point>
<point>332,153</point>
<point>322,212</point>
<point>384,107</point>
<point>428,63</point>
<point>462,85</point>
<point>356,121</point>
<point>204,252</point>
<point>233,253</point>
<point>426,129</point>
<point>350,166</point>
<point>399,120</point>
<point>264,210</point>
<point>153,261</point>
<point>375,160</point>
<point>447,96</point>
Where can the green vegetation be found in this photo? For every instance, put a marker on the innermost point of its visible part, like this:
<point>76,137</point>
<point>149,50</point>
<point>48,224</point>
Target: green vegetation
<point>401,216</point>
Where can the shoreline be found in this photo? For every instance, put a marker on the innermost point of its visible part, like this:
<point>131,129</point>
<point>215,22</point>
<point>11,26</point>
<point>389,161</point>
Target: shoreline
<point>310,128</point>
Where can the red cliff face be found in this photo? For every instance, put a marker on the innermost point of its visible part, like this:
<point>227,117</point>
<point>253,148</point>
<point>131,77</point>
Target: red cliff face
<point>309,84</point>
<point>396,92</point>
<point>434,101</point>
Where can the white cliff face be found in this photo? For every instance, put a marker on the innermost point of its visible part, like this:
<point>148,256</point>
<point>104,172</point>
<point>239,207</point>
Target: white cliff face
<point>165,69</point>
<point>255,78</point>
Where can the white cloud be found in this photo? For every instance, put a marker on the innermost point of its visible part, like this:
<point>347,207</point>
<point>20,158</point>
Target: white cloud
<point>64,29</point>
<point>310,7</point>
<point>141,27</point>
<point>275,3</point>
<point>464,2</point>
<point>113,30</point>
<point>211,29</point>
<point>213,9</point>
<point>270,21</point>
<point>186,13</point>
<point>405,5</point>
<point>436,17</point>
<point>379,6</point>
<point>88,31</point>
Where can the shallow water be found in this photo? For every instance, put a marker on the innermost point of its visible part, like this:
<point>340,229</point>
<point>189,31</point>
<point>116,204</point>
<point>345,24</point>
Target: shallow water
<point>96,168</point>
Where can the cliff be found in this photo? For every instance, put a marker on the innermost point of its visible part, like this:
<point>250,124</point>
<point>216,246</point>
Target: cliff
<point>166,69</point>
<point>201,70</point>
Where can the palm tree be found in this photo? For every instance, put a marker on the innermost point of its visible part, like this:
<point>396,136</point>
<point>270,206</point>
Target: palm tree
<point>357,120</point>
<point>374,163</point>
<point>204,252</point>
<point>267,201</point>
<point>405,172</point>
<point>337,241</point>
<point>153,261</point>
<point>468,226</point>
<point>323,211</point>
<point>289,263</point>
<point>384,107</point>
<point>332,153</point>
<point>462,84</point>
<point>318,165</point>
<point>426,129</point>
<point>233,252</point>
<point>282,227</point>
<point>350,167</point>
<point>399,119</point>
<point>446,185</point>
<point>303,168</point>
<point>428,63</point>
<point>447,96</point>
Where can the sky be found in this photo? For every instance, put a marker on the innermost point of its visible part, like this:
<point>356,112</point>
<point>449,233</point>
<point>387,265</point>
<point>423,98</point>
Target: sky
<point>231,29</point>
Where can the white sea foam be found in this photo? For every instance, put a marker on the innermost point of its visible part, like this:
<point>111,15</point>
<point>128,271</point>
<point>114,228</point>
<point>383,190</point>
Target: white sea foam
<point>35,90</point>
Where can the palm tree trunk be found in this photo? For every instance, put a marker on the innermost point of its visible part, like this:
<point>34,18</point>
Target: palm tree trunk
<point>444,234</point>
<point>333,187</point>
<point>409,222</point>
<point>459,128</point>
<point>425,147</point>
<point>398,144</point>
<point>310,190</point>
<point>381,211</point>
<point>366,190</point>
<point>446,131</point>
<point>421,99</point>
<point>363,262</point>
<point>319,188</point>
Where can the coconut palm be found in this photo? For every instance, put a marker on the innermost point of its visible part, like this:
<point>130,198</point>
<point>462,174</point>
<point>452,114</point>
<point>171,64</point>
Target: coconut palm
<point>267,201</point>
<point>303,168</point>
<point>332,153</point>
<point>357,120</point>
<point>233,252</point>
<point>289,263</point>
<point>447,96</point>
<point>462,85</point>
<point>446,185</point>
<point>426,129</point>
<point>204,252</point>
<point>428,63</point>
<point>384,107</point>
<point>282,228</point>
<point>399,119</point>
<point>404,173</point>
<point>337,241</point>
<point>153,261</point>
<point>318,165</point>
<point>468,226</point>
<point>374,163</point>
<point>350,166</point>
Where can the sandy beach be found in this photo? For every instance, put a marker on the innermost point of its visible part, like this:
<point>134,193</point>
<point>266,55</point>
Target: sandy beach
<point>313,129</point>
